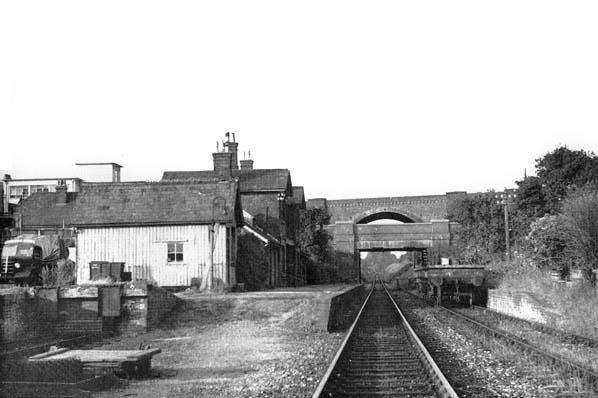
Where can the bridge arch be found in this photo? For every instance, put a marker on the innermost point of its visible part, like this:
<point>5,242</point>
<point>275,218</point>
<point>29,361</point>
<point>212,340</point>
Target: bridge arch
<point>381,213</point>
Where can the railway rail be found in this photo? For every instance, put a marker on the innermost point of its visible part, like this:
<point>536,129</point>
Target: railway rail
<point>381,356</point>
<point>578,378</point>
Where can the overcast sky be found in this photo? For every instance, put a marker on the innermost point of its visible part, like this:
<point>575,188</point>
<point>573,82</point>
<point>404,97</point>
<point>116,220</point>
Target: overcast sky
<point>357,99</point>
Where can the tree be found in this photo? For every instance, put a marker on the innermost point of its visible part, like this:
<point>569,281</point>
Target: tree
<point>529,205</point>
<point>314,241</point>
<point>375,264</point>
<point>530,199</point>
<point>313,238</point>
<point>481,235</point>
<point>563,169</point>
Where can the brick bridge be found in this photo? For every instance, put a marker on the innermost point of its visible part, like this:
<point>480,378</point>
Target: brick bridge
<point>425,229</point>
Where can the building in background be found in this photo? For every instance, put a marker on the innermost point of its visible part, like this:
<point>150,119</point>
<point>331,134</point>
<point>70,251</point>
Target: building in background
<point>268,196</point>
<point>100,172</point>
<point>13,190</point>
<point>20,188</point>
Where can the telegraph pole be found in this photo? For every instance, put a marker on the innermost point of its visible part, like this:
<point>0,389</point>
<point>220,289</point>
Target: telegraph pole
<point>507,243</point>
<point>504,200</point>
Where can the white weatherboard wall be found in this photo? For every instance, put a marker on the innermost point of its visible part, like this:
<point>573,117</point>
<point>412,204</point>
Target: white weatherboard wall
<point>144,252</point>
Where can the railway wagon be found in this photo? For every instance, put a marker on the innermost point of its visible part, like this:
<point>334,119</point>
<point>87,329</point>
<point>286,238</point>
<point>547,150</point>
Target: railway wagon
<point>452,284</point>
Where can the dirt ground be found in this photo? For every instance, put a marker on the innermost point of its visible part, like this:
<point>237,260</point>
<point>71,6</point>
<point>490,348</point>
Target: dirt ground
<point>264,344</point>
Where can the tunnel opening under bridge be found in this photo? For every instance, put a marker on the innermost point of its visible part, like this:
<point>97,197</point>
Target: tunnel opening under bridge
<point>389,265</point>
<point>386,264</point>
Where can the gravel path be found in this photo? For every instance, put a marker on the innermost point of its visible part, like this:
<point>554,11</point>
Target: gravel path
<point>234,348</point>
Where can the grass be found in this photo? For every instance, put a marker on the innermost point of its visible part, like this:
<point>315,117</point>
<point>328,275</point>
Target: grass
<point>576,304</point>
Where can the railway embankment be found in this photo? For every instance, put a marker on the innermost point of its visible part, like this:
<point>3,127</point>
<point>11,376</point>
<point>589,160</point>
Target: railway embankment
<point>502,367</point>
<point>535,295</point>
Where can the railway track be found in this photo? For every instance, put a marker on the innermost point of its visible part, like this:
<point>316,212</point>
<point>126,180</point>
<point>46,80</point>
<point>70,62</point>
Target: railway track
<point>579,379</point>
<point>382,356</point>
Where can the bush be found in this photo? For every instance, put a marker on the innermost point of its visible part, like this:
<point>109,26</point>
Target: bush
<point>63,274</point>
<point>549,241</point>
<point>48,276</point>
<point>580,221</point>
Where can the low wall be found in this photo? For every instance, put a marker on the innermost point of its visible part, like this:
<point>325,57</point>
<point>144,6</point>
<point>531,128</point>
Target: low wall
<point>521,305</point>
<point>46,313</point>
<point>344,307</point>
<point>26,317</point>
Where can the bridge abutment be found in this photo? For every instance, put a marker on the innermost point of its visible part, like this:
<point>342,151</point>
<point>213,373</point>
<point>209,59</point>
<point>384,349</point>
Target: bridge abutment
<point>346,257</point>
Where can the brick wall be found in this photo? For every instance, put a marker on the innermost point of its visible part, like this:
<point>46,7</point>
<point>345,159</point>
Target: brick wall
<point>159,303</point>
<point>29,313</point>
<point>521,305</point>
<point>26,317</point>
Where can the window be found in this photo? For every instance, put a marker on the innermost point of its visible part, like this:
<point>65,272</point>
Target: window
<point>175,252</point>
<point>19,192</point>
<point>39,188</point>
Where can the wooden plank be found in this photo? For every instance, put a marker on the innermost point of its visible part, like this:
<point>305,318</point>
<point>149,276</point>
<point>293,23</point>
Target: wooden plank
<point>98,355</point>
<point>146,354</point>
<point>49,353</point>
<point>78,292</point>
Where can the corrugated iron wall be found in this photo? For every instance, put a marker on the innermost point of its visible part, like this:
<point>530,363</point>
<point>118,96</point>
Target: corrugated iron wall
<point>144,252</point>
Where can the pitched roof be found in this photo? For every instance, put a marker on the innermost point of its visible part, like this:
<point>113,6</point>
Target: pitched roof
<point>249,180</point>
<point>135,203</point>
<point>298,195</point>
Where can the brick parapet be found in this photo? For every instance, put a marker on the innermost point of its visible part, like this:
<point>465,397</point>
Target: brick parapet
<point>418,208</point>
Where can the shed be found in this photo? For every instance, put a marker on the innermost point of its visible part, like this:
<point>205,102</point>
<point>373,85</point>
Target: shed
<point>161,230</point>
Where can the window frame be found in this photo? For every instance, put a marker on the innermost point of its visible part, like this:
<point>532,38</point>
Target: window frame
<point>177,249</point>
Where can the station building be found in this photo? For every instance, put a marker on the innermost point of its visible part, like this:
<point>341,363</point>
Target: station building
<point>272,206</point>
<point>161,230</point>
<point>167,232</point>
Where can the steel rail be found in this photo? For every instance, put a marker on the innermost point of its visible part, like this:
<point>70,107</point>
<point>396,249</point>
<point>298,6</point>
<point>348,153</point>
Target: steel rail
<point>442,384</point>
<point>340,350</point>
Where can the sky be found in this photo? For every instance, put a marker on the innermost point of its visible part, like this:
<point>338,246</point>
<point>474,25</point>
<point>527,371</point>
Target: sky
<point>356,98</point>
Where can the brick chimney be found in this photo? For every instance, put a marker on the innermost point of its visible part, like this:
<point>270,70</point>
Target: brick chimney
<point>247,164</point>
<point>223,164</point>
<point>231,147</point>
<point>60,194</point>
